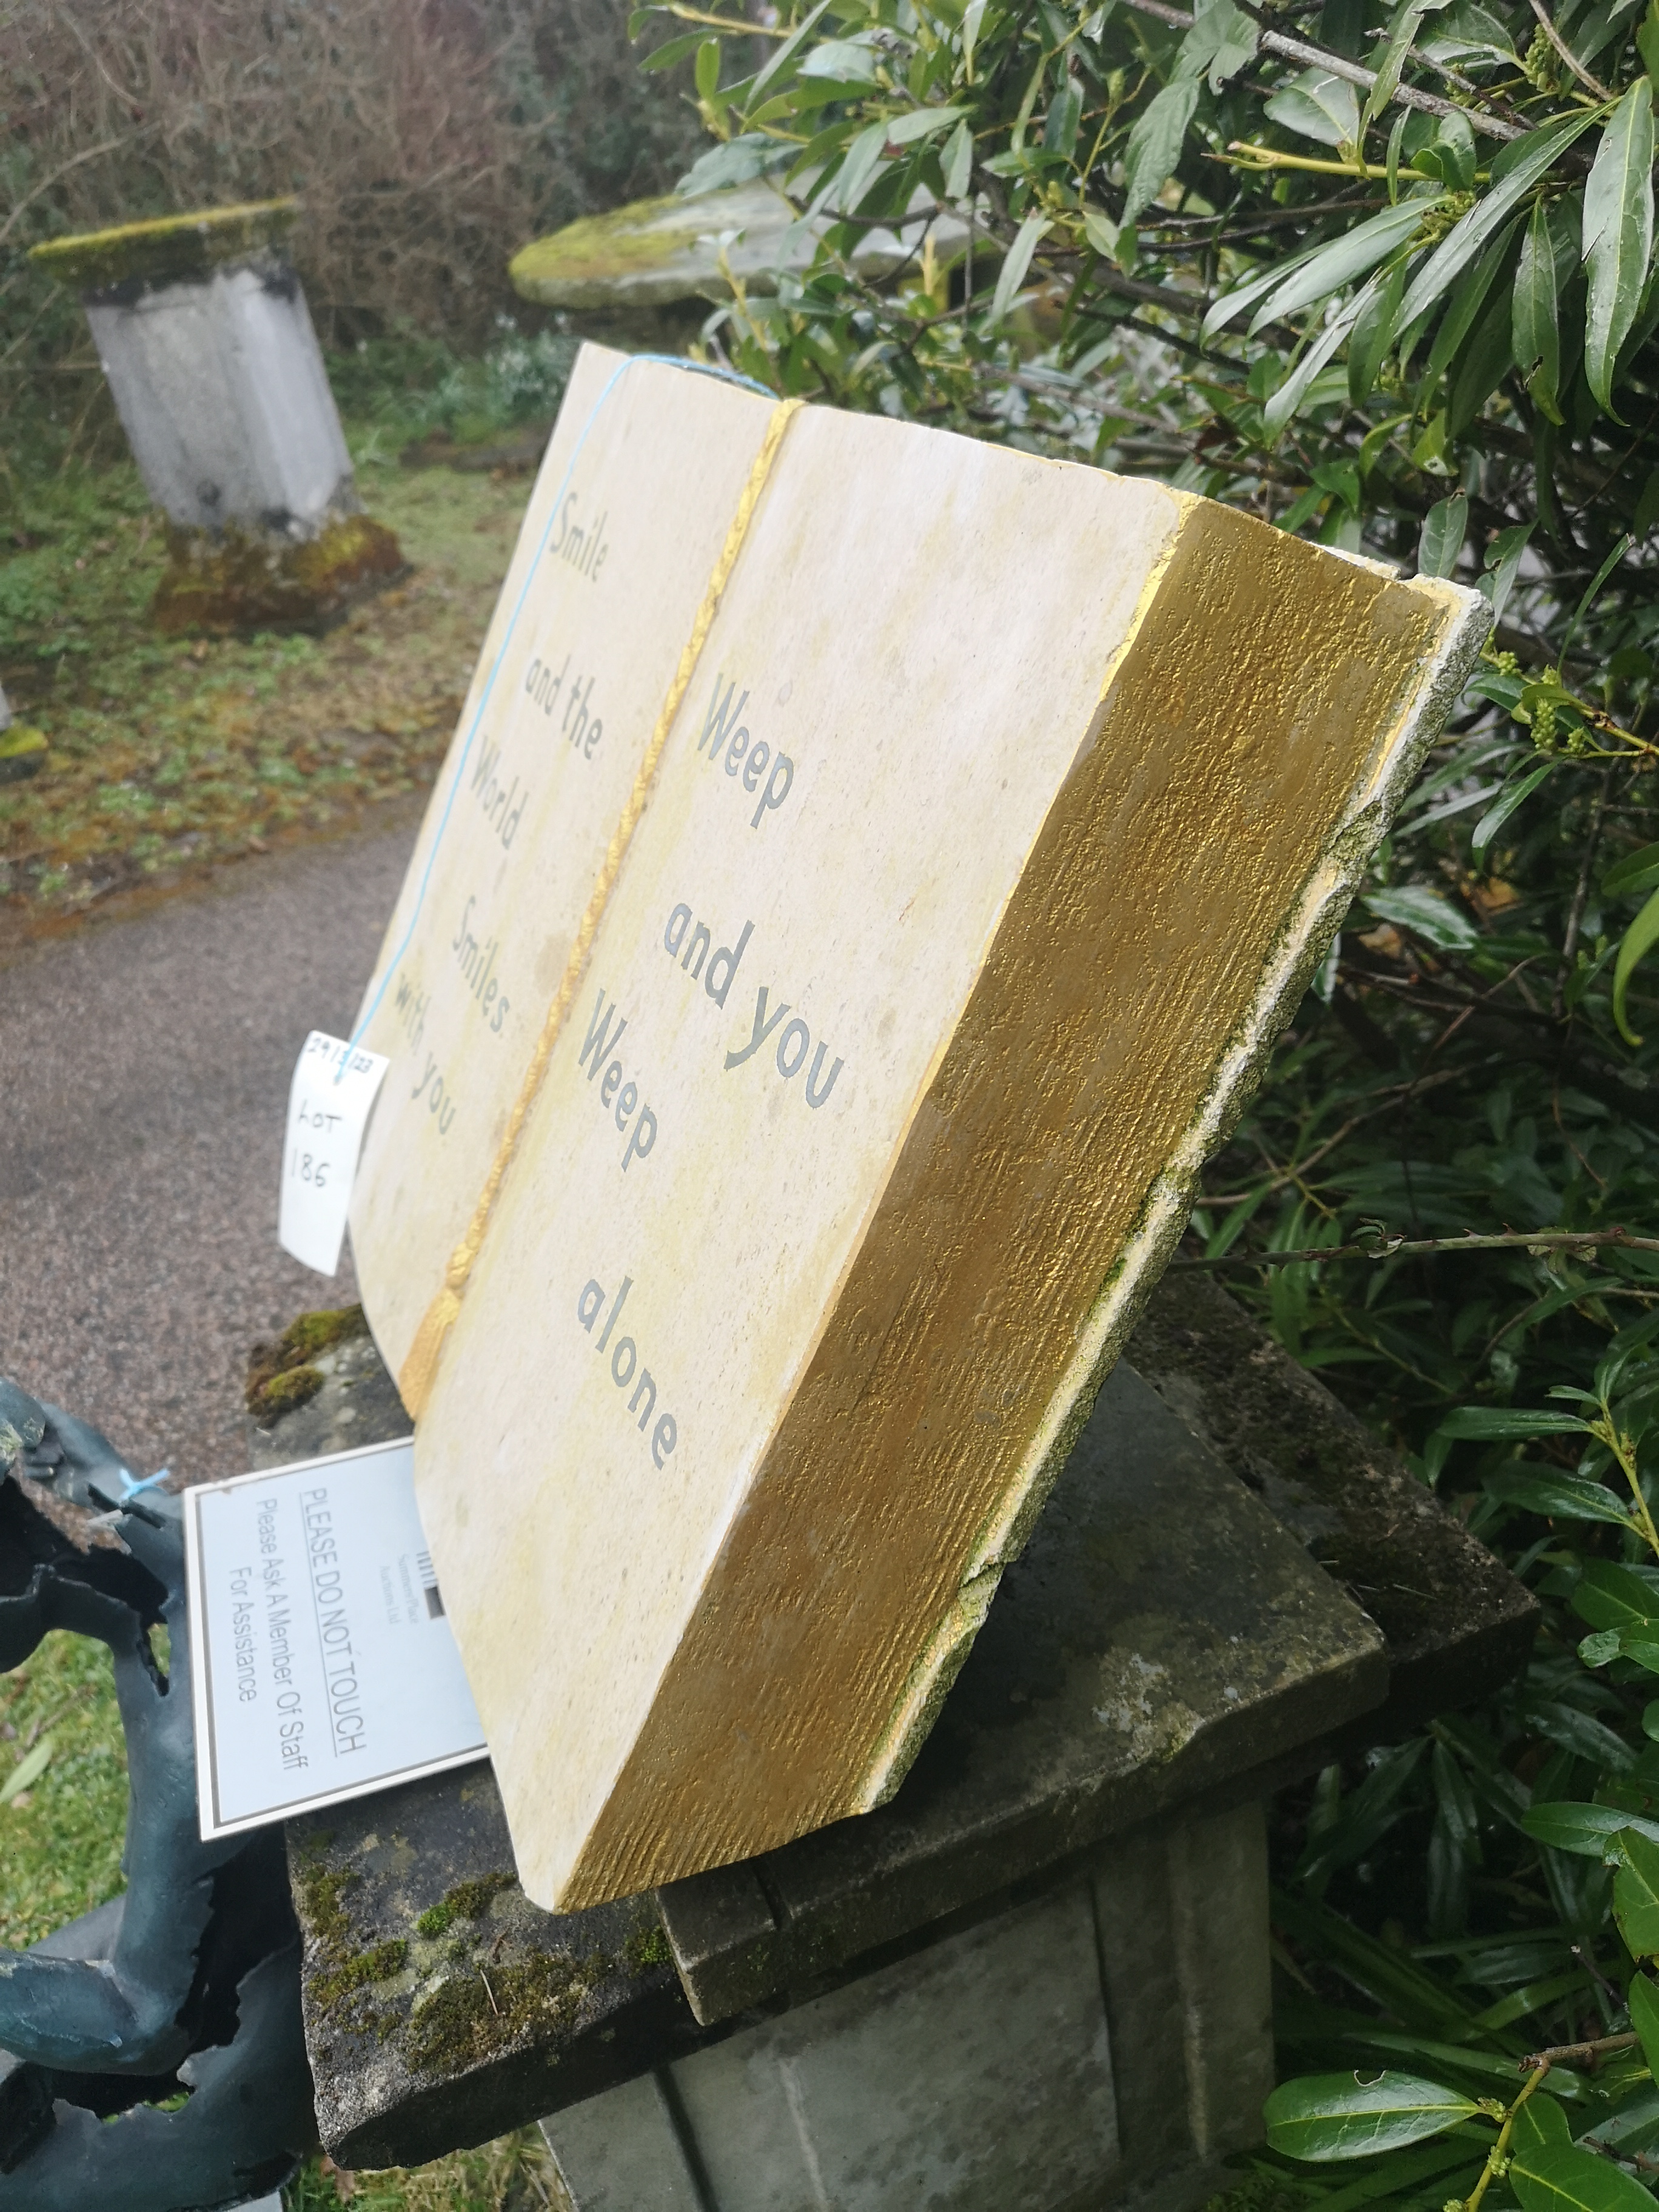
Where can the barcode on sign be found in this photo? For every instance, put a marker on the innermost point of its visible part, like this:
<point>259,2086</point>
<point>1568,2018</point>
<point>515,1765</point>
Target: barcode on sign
<point>434,1602</point>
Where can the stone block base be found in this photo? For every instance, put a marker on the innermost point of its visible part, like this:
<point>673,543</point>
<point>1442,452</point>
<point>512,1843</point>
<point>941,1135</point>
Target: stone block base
<point>1102,2045</point>
<point>240,580</point>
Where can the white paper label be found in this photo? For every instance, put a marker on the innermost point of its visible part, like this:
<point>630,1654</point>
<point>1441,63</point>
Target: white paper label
<point>325,1666</point>
<point>329,1100</point>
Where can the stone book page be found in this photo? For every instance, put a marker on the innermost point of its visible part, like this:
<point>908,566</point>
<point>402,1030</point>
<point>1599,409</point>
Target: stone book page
<point>633,504</point>
<point>1006,808</point>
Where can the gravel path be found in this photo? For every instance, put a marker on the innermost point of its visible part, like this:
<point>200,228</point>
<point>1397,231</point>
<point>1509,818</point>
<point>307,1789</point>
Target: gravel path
<point>146,1068</point>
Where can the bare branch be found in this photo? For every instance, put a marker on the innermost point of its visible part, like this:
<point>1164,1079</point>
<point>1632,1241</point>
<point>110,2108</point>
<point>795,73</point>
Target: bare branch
<point>1310,56</point>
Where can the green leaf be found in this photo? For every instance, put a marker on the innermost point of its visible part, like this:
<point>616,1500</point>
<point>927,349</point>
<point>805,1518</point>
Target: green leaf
<point>1636,1896</point>
<point>1492,1423</point>
<point>1637,872</point>
<point>1460,317</point>
<point>1389,63</point>
<point>1319,106</point>
<point>920,123</point>
<point>1427,915</point>
<point>1644,1999</point>
<point>1222,40</point>
<point>707,71</point>
<point>973,17</point>
<point>1331,2115</point>
<point>1561,2177</point>
<point>673,52</point>
<point>1232,304</point>
<point>1636,942</point>
<point>1566,1497</point>
<point>1503,565</point>
<point>1012,275</point>
<point>858,171</point>
<point>958,163</point>
<point>1484,363</point>
<point>843,61</point>
<point>1100,231</point>
<point>27,1772</point>
<point>1609,1595</point>
<point>1539,2123</point>
<point>1524,161</point>
<point>1587,1832</point>
<point>1335,265</point>
<point>1618,234</point>
<point>1597,1649</point>
<point>1155,143</point>
<point>1537,306</point>
<point>1296,386</point>
<point>1444,528</point>
<point>1513,796</point>
<point>1373,333</point>
<point>780,59</point>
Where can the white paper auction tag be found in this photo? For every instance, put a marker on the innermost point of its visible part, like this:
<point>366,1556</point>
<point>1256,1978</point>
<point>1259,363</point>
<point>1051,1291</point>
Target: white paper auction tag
<point>324,1665</point>
<point>329,1100</point>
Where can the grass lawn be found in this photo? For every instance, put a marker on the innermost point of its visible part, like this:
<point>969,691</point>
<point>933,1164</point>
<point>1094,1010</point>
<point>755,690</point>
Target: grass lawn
<point>166,758</point>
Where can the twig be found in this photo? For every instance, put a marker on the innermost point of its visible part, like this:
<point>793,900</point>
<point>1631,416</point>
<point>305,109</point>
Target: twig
<point>1402,1247</point>
<point>1566,51</point>
<point>489,1993</point>
<point>1497,2162</point>
<point>1568,2054</point>
<point>1581,894</point>
<point>1298,50</point>
<point>87,154</point>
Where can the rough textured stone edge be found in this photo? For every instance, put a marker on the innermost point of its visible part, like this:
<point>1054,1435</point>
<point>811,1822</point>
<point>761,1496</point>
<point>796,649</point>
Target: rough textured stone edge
<point>172,246</point>
<point>1306,936</point>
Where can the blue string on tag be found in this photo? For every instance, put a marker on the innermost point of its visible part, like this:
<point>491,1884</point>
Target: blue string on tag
<point>662,361</point>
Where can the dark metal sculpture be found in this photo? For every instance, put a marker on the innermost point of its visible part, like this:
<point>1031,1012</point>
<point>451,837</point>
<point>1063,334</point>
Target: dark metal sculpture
<point>187,1985</point>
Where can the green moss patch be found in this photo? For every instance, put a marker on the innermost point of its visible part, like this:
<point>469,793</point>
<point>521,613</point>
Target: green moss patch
<point>171,246</point>
<point>482,2008</point>
<point>239,582</point>
<point>281,1376</point>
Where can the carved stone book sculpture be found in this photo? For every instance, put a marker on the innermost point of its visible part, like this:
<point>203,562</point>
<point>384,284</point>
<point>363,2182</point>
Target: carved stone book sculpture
<point>872,869</point>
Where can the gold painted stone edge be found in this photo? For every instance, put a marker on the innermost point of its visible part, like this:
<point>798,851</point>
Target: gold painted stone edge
<point>1302,943</point>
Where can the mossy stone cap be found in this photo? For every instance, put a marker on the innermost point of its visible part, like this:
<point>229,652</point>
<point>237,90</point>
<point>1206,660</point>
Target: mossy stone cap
<point>655,253</point>
<point>171,246</point>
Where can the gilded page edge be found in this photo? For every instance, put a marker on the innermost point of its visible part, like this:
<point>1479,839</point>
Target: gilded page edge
<point>1302,943</point>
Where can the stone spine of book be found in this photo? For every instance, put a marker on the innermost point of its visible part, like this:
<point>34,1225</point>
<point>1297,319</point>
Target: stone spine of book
<point>974,821</point>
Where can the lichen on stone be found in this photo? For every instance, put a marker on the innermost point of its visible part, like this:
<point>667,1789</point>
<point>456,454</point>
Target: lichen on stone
<point>171,246</point>
<point>483,2006</point>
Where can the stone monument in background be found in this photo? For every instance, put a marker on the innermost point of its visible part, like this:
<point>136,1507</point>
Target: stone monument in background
<point>202,328</point>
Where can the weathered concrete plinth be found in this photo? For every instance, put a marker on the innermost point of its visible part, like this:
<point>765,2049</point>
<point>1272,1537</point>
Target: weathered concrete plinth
<point>209,351</point>
<point>1037,1977</point>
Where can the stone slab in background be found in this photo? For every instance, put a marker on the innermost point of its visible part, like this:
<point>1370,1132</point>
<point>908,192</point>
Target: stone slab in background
<point>654,254</point>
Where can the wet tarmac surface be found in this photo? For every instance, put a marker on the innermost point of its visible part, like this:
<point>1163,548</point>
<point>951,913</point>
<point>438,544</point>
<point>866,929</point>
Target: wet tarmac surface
<point>144,1068</point>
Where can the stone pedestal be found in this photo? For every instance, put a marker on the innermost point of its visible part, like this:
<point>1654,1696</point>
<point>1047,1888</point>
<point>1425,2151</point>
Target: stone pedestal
<point>1107,2043</point>
<point>1037,1977</point>
<point>202,330</point>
